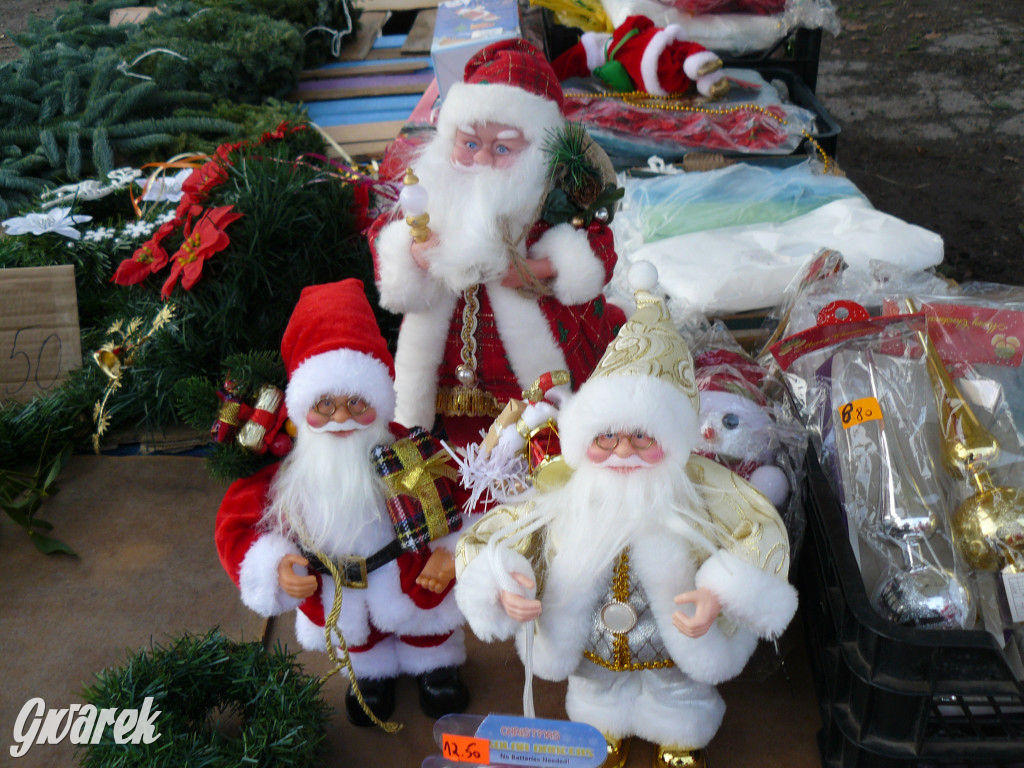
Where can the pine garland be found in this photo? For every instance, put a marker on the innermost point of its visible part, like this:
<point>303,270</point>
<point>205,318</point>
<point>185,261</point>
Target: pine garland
<point>195,680</point>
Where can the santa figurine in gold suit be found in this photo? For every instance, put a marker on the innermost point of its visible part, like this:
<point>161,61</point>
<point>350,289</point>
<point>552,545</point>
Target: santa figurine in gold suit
<point>649,576</point>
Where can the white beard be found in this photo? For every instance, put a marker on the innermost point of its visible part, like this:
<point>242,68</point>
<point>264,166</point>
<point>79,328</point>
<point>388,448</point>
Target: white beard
<point>467,207</point>
<point>328,493</point>
<point>598,511</point>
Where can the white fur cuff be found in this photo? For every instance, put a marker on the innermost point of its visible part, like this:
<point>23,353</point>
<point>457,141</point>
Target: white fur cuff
<point>762,602</point>
<point>693,63</point>
<point>579,274</point>
<point>404,286</point>
<point>257,576</point>
<point>478,596</point>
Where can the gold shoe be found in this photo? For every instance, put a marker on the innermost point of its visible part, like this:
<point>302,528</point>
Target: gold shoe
<point>678,757</point>
<point>618,751</point>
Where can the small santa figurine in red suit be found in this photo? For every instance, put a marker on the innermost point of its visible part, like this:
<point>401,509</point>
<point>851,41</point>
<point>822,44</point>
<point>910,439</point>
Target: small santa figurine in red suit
<point>493,296</point>
<point>325,501</point>
<point>639,56</point>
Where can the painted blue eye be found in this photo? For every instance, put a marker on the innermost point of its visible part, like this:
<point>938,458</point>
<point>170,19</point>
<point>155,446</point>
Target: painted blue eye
<point>501,149</point>
<point>470,144</point>
<point>730,421</point>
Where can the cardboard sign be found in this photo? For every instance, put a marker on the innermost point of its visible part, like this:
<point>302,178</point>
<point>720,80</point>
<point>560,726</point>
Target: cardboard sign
<point>39,336</point>
<point>134,15</point>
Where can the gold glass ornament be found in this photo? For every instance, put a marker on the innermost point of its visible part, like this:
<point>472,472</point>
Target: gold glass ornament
<point>987,527</point>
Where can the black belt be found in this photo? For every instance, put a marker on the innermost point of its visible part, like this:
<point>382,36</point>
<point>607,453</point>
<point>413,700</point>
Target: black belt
<point>354,569</point>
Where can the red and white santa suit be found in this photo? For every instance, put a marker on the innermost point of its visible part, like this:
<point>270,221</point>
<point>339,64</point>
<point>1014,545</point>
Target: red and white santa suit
<point>327,487</point>
<point>479,216</point>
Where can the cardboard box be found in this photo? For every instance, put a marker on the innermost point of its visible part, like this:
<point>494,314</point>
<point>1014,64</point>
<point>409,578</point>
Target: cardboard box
<point>463,27</point>
<point>39,336</point>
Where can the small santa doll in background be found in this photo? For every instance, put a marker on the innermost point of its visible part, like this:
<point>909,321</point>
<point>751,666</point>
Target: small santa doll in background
<point>737,428</point>
<point>638,56</point>
<point>324,501</point>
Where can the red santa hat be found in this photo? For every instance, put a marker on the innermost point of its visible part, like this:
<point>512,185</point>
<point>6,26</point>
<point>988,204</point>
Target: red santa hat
<point>507,82</point>
<point>724,370</point>
<point>332,346</point>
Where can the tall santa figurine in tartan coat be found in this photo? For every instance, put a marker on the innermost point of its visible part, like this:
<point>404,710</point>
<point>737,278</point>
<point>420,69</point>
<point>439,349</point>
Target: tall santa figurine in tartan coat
<point>492,295</point>
<point>277,530</point>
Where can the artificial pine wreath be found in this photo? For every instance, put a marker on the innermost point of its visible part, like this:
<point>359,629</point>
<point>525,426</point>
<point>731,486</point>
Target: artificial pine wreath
<point>196,680</point>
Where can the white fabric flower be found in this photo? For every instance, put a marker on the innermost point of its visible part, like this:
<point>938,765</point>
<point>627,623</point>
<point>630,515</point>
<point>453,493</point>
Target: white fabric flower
<point>136,229</point>
<point>59,220</point>
<point>163,218</point>
<point>165,188</point>
<point>99,233</point>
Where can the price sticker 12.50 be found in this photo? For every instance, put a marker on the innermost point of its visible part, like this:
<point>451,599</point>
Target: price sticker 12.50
<point>858,411</point>
<point>466,749</point>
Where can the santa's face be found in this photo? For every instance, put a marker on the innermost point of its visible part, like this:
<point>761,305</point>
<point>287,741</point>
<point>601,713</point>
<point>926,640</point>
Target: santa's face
<point>340,416</point>
<point>625,452</point>
<point>493,145</point>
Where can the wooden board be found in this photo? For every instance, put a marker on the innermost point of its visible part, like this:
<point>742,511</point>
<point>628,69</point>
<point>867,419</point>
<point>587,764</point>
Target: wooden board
<point>370,26</point>
<point>421,34</point>
<point>367,67</point>
<point>353,87</point>
<point>398,5</point>
<point>363,132</point>
<point>363,149</point>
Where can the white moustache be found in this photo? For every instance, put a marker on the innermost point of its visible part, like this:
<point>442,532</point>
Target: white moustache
<point>348,425</point>
<point>629,461</point>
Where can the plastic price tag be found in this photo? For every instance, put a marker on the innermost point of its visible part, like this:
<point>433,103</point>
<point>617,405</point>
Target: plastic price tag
<point>1013,583</point>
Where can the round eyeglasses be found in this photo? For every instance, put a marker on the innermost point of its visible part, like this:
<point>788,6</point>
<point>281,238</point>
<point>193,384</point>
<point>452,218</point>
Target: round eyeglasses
<point>609,441</point>
<point>355,405</point>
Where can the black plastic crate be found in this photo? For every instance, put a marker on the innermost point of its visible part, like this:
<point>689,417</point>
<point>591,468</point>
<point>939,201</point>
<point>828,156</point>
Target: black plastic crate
<point>799,52</point>
<point>826,129</point>
<point>890,696</point>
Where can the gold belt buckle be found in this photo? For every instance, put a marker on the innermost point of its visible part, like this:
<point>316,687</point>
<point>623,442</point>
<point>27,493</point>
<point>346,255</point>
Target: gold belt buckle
<point>358,561</point>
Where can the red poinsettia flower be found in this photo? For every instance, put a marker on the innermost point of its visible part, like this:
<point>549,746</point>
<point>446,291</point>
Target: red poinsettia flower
<point>203,179</point>
<point>203,240</point>
<point>146,260</point>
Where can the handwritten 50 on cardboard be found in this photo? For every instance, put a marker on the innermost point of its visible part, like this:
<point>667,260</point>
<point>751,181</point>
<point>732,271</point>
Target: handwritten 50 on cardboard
<point>39,336</point>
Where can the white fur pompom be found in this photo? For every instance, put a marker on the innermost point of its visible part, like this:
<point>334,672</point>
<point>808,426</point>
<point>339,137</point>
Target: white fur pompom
<point>643,276</point>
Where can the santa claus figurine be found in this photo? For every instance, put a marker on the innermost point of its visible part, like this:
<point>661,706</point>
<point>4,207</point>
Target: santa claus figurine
<point>651,573</point>
<point>282,532</point>
<point>492,295</point>
<point>737,429</point>
<point>639,56</point>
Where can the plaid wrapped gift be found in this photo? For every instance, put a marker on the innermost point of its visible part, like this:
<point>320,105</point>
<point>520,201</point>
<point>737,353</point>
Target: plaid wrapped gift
<point>420,477</point>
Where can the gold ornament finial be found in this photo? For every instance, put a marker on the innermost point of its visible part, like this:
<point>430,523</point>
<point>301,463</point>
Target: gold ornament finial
<point>413,199</point>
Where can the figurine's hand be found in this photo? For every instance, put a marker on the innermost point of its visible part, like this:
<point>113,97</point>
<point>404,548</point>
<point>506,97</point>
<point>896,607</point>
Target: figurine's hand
<point>517,606</point>
<point>420,251</point>
<point>707,609</point>
<point>438,572</point>
<point>299,587</point>
<point>541,269</point>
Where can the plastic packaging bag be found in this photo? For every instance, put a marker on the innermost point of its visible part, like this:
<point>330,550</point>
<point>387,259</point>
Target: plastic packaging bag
<point>752,119</point>
<point>731,33</point>
<point>655,208</point>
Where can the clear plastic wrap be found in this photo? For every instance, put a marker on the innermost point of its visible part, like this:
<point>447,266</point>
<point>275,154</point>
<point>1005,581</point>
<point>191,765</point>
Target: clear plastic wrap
<point>658,207</point>
<point>873,420</point>
<point>747,425</point>
<point>730,33</point>
<point>752,119</point>
<point>756,7</point>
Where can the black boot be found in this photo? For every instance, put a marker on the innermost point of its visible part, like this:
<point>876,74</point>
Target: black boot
<point>379,696</point>
<point>442,692</point>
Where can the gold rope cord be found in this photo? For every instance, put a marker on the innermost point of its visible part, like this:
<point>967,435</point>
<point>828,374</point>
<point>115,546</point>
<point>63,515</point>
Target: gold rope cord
<point>331,623</point>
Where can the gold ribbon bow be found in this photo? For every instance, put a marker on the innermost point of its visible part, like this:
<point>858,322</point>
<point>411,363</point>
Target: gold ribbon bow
<point>417,479</point>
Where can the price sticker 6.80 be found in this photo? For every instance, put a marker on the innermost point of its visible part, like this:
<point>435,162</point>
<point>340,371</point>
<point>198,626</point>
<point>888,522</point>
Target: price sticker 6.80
<point>465,749</point>
<point>858,411</point>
